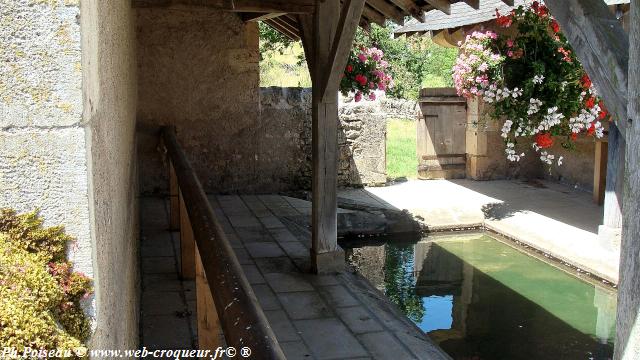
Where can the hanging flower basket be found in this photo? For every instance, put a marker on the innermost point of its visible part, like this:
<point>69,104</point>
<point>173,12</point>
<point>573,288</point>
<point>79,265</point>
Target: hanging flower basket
<point>532,80</point>
<point>365,72</point>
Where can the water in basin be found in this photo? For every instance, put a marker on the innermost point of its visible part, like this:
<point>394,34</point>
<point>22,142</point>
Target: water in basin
<point>479,298</point>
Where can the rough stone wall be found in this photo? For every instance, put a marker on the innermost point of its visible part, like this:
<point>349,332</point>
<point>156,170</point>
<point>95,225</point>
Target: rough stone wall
<point>362,135</point>
<point>42,135</point>
<point>578,164</point>
<point>108,63</point>
<point>399,108</point>
<point>285,117</point>
<point>198,70</point>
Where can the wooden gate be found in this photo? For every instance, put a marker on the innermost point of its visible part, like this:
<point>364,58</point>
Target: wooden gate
<point>441,134</point>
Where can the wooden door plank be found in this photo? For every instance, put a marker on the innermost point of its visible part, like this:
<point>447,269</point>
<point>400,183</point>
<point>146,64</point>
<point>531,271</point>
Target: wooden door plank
<point>187,243</point>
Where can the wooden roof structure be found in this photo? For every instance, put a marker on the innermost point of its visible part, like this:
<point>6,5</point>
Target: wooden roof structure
<point>377,12</point>
<point>283,15</point>
<point>461,17</point>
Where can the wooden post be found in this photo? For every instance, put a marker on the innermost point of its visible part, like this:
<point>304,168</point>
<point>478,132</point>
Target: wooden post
<point>187,243</point>
<point>327,41</point>
<point>627,345</point>
<point>599,172</point>
<point>615,176</point>
<point>210,335</point>
<point>174,199</point>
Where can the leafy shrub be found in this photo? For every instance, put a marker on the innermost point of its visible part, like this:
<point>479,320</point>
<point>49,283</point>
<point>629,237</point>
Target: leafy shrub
<point>40,292</point>
<point>533,81</point>
<point>365,73</point>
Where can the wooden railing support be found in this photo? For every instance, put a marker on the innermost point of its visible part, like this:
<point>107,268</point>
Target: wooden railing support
<point>174,200</point>
<point>187,243</point>
<point>232,304</point>
<point>600,171</point>
<point>210,335</point>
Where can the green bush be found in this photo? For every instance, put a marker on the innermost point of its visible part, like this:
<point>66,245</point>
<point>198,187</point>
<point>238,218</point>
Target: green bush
<point>40,292</point>
<point>414,62</point>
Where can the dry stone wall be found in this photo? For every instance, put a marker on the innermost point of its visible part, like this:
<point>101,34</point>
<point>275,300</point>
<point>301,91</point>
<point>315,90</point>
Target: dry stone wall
<point>286,113</point>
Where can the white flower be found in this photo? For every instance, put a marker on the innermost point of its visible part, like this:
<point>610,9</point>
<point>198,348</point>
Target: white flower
<point>534,106</point>
<point>511,152</point>
<point>547,158</point>
<point>538,79</point>
<point>506,128</point>
<point>560,160</point>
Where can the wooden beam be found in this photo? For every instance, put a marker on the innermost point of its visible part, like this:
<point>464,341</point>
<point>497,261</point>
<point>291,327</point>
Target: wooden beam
<point>373,15</point>
<point>282,29</point>
<point>600,172</point>
<point>388,10</point>
<point>187,244</point>
<point>174,200</point>
<point>305,29</point>
<point>266,6</point>
<point>508,2</point>
<point>602,47</point>
<point>473,3</point>
<point>210,335</point>
<point>410,7</point>
<point>342,43</point>
<point>292,29</point>
<point>257,16</point>
<point>442,5</point>
<point>326,255</point>
<point>627,345</point>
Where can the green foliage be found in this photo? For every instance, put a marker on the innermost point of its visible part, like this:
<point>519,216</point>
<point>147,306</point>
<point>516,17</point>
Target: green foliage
<point>401,149</point>
<point>414,62</point>
<point>40,292</point>
<point>281,60</point>
<point>271,40</point>
<point>399,282</point>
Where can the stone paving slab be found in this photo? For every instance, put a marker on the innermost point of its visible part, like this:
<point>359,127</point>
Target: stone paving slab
<point>313,317</point>
<point>548,216</point>
<point>167,306</point>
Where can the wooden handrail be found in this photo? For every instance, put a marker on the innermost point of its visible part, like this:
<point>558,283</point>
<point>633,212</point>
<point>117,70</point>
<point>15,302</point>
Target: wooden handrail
<point>241,317</point>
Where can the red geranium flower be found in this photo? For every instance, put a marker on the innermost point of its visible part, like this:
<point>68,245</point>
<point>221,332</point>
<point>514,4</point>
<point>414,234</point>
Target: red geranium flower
<point>591,130</point>
<point>349,68</point>
<point>603,110</point>
<point>585,81</point>
<point>590,102</point>
<point>555,26</point>
<point>544,140</point>
<point>574,136</point>
<point>361,79</point>
<point>503,20</point>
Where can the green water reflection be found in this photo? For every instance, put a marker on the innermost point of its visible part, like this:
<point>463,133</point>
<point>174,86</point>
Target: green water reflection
<point>481,299</point>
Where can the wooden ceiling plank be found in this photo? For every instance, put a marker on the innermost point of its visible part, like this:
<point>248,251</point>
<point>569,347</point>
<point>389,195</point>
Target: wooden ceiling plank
<point>258,16</point>
<point>373,15</point>
<point>293,30</point>
<point>410,7</point>
<point>388,10</point>
<point>266,6</point>
<point>281,29</point>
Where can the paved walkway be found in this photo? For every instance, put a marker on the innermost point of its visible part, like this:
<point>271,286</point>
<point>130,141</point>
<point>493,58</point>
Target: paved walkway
<point>167,308</point>
<point>337,316</point>
<point>548,216</point>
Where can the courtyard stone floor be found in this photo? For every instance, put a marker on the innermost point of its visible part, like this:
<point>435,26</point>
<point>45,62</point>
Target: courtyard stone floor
<point>338,316</point>
<point>554,218</point>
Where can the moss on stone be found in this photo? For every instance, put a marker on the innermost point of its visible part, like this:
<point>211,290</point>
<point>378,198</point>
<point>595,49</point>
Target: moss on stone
<point>40,292</point>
